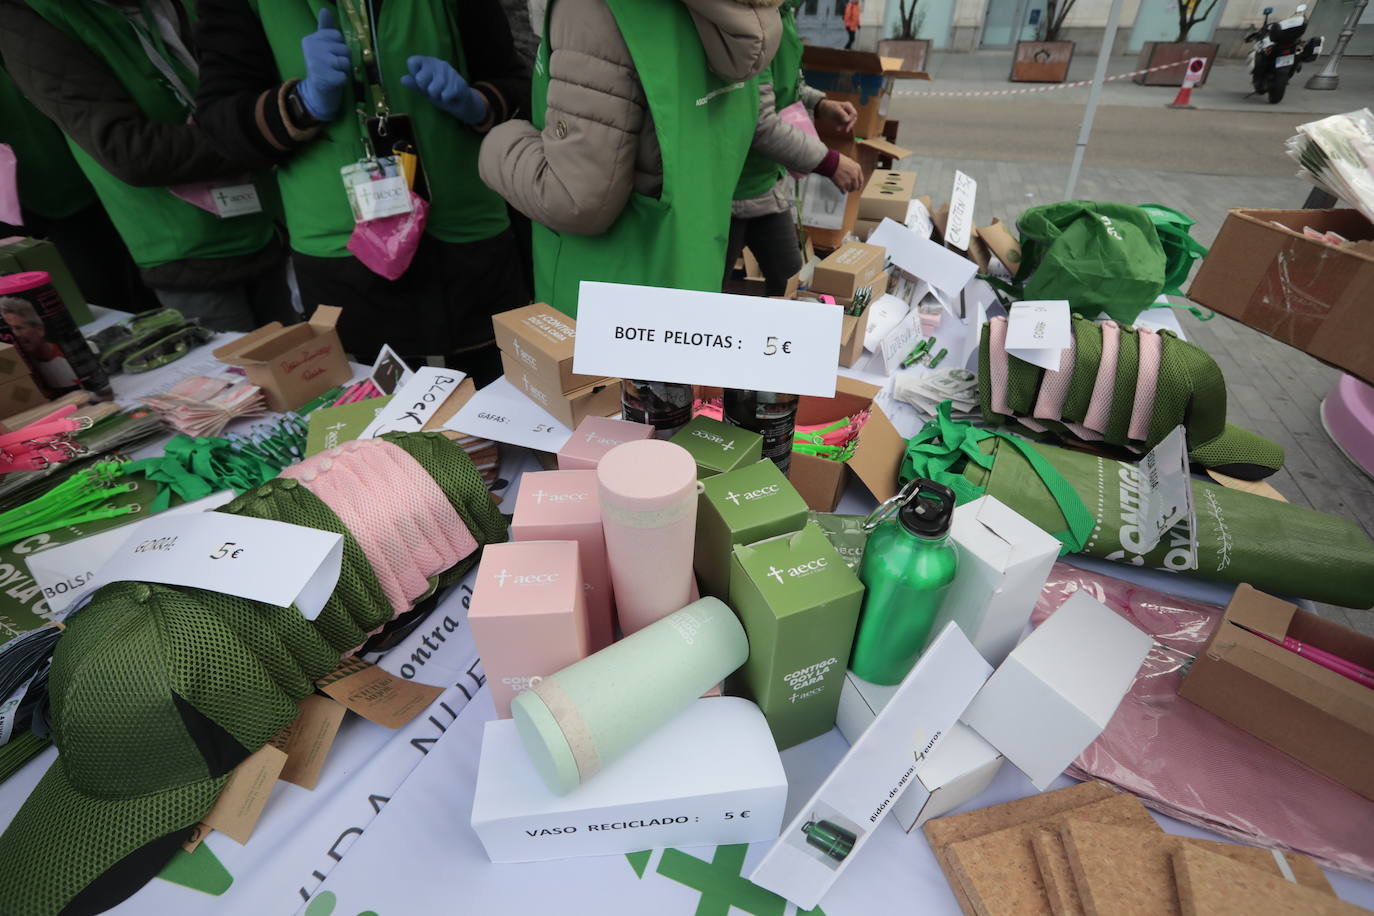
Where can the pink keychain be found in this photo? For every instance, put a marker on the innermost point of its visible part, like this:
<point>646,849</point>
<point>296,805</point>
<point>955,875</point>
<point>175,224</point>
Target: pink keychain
<point>42,443</point>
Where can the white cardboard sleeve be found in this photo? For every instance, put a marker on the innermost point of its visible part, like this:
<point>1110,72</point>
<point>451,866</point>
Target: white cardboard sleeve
<point>1057,690</point>
<point>957,771</point>
<point>711,776</point>
<point>835,823</point>
<point>1004,561</point>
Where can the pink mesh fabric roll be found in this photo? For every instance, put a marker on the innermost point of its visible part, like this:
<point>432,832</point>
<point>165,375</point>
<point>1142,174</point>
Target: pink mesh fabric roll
<point>1101,404</point>
<point>1187,763</point>
<point>1054,386</point>
<point>1146,380</point>
<point>400,517</point>
<point>997,365</point>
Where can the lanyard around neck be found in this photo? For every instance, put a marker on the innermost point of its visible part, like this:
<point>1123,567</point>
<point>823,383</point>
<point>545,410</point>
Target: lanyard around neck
<point>155,48</point>
<point>359,23</point>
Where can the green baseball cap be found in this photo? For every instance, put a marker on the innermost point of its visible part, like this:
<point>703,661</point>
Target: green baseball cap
<point>1192,391</point>
<point>156,694</point>
<point>1123,392</point>
<point>1087,340</point>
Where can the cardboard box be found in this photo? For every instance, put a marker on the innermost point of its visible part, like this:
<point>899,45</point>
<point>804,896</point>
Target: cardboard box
<point>1004,561</point>
<point>566,506</point>
<point>718,447</point>
<point>831,827</point>
<point>860,77</point>
<point>528,614</point>
<point>851,266</point>
<point>292,365</point>
<point>1057,690</point>
<point>799,603</point>
<point>851,340</point>
<point>863,228</point>
<point>876,458</point>
<point>1318,716</point>
<point>958,770</point>
<point>18,254</point>
<point>685,785</point>
<point>741,507</point>
<point>1263,272</point>
<point>1002,244</point>
<point>18,395</point>
<point>887,195</point>
<point>12,364</point>
<point>571,408</point>
<point>594,437</point>
<point>540,339</point>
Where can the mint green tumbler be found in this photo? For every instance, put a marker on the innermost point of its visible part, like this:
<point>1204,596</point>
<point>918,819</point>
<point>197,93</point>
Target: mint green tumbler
<point>574,722</point>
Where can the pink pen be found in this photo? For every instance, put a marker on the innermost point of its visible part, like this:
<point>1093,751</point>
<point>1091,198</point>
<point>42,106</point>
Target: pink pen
<point>1357,673</point>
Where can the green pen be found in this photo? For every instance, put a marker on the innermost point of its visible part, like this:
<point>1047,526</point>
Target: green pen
<point>935,360</point>
<point>918,351</point>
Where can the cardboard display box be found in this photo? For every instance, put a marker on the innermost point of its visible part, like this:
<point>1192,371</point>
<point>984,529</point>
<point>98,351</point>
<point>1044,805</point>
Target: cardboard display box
<point>742,506</point>
<point>1057,691</point>
<point>861,77</point>
<point>12,364</point>
<point>594,437</point>
<point>887,195</point>
<point>718,447</point>
<point>851,340</point>
<point>18,395</point>
<point>863,228</point>
<point>876,458</point>
<point>540,340</point>
<point>1318,716</point>
<point>292,365</point>
<point>672,789</point>
<point>18,254</point>
<point>1263,272</point>
<point>571,408</point>
<point>852,266</point>
<point>867,152</point>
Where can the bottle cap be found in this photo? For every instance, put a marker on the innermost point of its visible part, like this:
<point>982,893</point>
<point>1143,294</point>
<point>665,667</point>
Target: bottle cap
<point>930,511</point>
<point>647,475</point>
<point>22,282</point>
<point>545,742</point>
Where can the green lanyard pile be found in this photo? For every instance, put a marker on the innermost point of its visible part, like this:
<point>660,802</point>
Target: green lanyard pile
<point>194,468</point>
<point>69,503</point>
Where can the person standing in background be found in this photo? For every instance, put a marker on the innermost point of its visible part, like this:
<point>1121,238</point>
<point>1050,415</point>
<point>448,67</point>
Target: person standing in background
<point>641,119</point>
<point>763,215</point>
<point>286,83</point>
<point>119,79</point>
<point>851,21</point>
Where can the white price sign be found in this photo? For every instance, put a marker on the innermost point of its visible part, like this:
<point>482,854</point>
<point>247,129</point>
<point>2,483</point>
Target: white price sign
<point>673,335</point>
<point>501,413</point>
<point>272,562</point>
<point>415,402</point>
<point>960,226</point>
<point>1166,491</point>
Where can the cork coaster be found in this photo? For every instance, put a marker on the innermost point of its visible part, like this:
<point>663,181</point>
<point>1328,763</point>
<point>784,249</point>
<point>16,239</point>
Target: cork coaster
<point>944,831</point>
<point>1056,873</point>
<point>999,872</point>
<point>1209,883</point>
<point>1123,872</point>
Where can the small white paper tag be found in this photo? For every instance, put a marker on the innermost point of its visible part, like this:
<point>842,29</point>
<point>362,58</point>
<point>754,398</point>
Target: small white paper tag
<point>1038,331</point>
<point>383,197</point>
<point>499,412</point>
<point>236,200</point>
<point>961,198</point>
<point>1166,490</point>
<point>897,344</point>
<point>823,204</point>
<point>918,219</point>
<point>415,402</point>
<point>272,562</point>
<point>674,335</point>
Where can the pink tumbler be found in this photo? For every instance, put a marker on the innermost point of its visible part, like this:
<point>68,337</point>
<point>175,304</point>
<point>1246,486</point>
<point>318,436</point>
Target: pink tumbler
<point>649,515</point>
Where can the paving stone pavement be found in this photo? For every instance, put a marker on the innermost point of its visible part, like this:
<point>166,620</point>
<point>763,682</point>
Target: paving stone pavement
<point>1272,388</point>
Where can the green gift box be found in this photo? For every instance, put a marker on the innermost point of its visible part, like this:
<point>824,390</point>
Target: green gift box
<point>40,254</point>
<point>741,507</point>
<point>718,447</point>
<point>799,603</point>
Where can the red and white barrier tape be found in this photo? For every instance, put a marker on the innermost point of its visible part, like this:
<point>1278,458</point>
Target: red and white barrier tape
<point>1030,89</point>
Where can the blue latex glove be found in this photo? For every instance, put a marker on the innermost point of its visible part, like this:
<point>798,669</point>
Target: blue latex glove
<point>327,69</point>
<point>445,88</point>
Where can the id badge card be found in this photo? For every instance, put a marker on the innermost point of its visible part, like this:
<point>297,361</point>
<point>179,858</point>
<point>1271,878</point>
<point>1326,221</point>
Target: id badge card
<point>376,188</point>
<point>223,200</point>
<point>394,135</point>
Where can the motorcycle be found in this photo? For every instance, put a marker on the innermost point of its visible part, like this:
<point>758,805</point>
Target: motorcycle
<point>1280,52</point>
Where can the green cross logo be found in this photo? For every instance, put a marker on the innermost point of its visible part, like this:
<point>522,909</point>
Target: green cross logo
<point>719,881</point>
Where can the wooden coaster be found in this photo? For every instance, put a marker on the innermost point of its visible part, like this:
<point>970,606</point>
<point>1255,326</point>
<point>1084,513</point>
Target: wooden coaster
<point>1209,883</point>
<point>943,831</point>
<point>1056,873</point>
<point>1124,872</point>
<point>999,871</point>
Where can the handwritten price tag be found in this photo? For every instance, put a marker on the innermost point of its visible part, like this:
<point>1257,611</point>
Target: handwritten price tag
<point>252,558</point>
<point>961,198</point>
<point>1166,492</point>
<point>501,413</point>
<point>672,335</point>
<point>1038,331</point>
<point>415,402</point>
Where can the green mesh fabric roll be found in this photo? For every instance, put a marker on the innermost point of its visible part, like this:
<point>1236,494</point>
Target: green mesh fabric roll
<point>18,751</point>
<point>157,692</point>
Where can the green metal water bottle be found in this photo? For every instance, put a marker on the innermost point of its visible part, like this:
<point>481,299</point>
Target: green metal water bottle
<point>831,839</point>
<point>907,568</point>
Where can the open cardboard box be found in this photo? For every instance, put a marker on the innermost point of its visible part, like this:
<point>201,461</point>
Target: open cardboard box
<point>876,458</point>
<point>1265,273</point>
<point>1314,714</point>
<point>862,77</point>
<point>295,364</point>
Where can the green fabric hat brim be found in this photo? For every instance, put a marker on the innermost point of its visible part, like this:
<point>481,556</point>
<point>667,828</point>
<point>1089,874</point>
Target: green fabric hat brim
<point>1239,453</point>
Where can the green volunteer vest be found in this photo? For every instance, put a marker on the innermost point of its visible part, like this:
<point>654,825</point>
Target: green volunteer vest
<point>704,127</point>
<point>761,173</point>
<point>50,182</point>
<point>462,208</point>
<point>156,225</point>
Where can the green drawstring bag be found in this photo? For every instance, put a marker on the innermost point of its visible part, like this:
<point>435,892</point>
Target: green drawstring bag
<point>1275,546</point>
<point>1101,257</point>
<point>1180,248</point>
